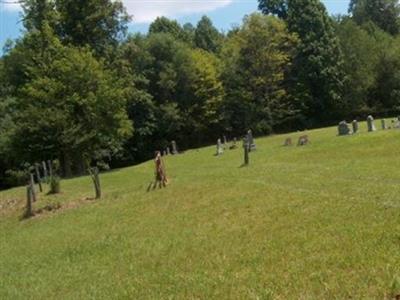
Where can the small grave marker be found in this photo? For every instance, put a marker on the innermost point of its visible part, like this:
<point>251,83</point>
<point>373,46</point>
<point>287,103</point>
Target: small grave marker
<point>220,149</point>
<point>343,128</point>
<point>355,126</point>
<point>174,148</point>
<point>288,142</point>
<point>383,124</point>
<point>250,141</point>
<point>370,124</point>
<point>303,140</point>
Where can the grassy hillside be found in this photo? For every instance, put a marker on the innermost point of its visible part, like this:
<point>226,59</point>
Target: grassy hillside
<point>314,222</point>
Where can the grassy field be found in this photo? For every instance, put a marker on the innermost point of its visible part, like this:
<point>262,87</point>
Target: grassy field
<point>314,222</point>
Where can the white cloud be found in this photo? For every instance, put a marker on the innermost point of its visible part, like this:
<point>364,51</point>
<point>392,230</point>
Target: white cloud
<point>10,6</point>
<point>145,11</point>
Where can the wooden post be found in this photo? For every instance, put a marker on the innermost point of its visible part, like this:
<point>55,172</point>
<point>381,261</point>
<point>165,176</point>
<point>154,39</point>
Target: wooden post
<point>44,170</point>
<point>50,164</point>
<point>39,179</point>
<point>28,212</point>
<point>32,184</point>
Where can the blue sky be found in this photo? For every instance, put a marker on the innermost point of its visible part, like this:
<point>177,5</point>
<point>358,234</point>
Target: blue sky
<point>224,13</point>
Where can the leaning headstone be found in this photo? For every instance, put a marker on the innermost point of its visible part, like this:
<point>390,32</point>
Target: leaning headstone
<point>39,179</point>
<point>383,123</point>
<point>174,148</point>
<point>250,140</point>
<point>288,142</point>
<point>246,148</point>
<point>343,128</point>
<point>220,149</point>
<point>370,123</point>
<point>355,126</point>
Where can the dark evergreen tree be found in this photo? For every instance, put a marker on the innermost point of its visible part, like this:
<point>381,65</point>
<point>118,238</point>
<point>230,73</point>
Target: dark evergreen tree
<point>207,36</point>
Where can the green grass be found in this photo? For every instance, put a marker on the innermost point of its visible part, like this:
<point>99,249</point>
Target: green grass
<point>314,222</point>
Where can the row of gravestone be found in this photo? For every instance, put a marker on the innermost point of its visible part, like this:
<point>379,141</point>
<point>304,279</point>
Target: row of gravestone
<point>344,128</point>
<point>173,150</point>
<point>248,143</point>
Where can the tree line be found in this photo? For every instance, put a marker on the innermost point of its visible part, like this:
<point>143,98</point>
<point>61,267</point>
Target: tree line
<point>76,87</point>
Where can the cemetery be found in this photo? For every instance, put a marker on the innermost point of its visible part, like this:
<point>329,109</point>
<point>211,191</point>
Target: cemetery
<point>216,214</point>
<point>190,149</point>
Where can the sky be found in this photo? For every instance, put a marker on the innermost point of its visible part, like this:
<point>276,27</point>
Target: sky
<point>223,13</point>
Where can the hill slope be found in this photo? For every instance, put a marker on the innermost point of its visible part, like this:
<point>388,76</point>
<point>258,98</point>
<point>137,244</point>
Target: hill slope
<point>320,221</point>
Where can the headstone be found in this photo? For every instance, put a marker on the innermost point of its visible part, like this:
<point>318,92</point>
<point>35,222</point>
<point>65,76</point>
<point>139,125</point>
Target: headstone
<point>303,140</point>
<point>246,148</point>
<point>220,148</point>
<point>343,128</point>
<point>250,140</point>
<point>288,142</point>
<point>168,151</point>
<point>164,153</point>
<point>370,123</point>
<point>174,148</point>
<point>225,142</point>
<point>383,123</point>
<point>355,126</point>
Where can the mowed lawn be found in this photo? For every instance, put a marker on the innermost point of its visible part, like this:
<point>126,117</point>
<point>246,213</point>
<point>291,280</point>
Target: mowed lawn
<point>314,222</point>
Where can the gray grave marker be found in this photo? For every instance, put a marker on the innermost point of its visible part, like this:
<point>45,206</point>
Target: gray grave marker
<point>383,124</point>
<point>250,141</point>
<point>355,126</point>
<point>220,149</point>
<point>343,128</point>
<point>174,148</point>
<point>370,124</point>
